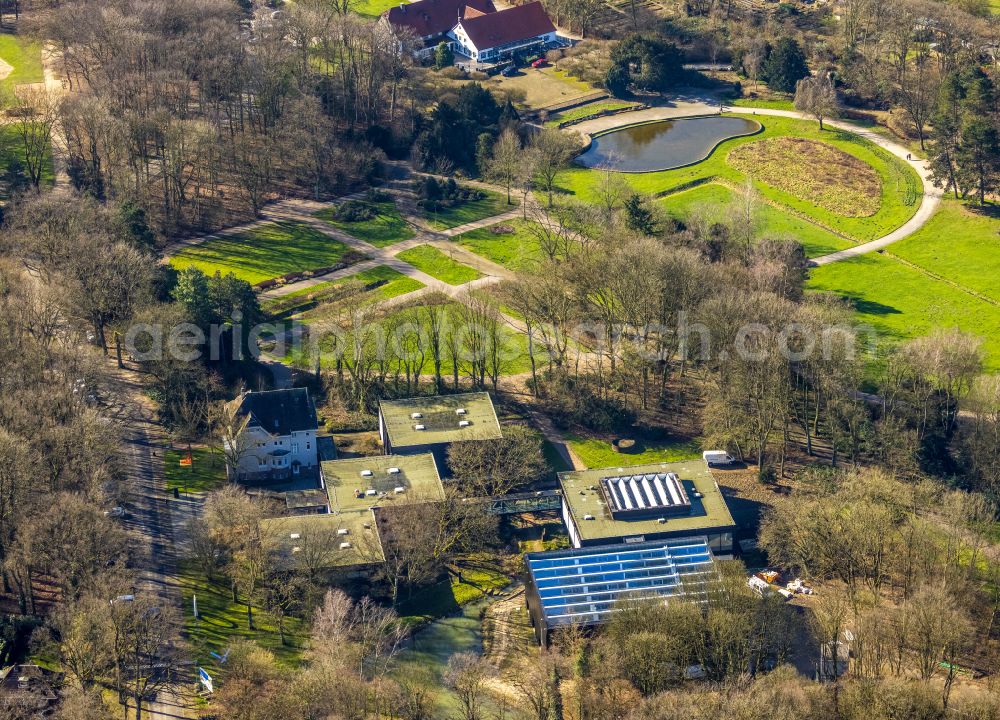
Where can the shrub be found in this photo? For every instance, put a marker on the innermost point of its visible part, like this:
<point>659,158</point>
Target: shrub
<point>355,211</point>
<point>438,195</point>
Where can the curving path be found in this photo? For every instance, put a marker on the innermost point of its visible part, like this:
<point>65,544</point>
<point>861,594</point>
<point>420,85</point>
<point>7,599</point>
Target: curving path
<point>929,201</point>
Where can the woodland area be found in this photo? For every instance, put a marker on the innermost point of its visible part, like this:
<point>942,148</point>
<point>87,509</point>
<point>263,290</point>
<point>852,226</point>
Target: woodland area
<point>188,117</point>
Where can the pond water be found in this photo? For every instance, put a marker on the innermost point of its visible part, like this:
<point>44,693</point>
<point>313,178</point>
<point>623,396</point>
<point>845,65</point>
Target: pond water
<point>663,145</point>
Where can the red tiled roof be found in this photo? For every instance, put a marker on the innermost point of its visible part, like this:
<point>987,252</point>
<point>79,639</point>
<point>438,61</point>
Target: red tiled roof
<point>471,12</point>
<point>434,17</point>
<point>510,25</point>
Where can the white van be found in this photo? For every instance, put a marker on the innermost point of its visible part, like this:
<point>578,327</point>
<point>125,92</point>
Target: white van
<point>718,458</point>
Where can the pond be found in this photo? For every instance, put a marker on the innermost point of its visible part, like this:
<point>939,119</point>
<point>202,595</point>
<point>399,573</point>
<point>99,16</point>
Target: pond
<point>663,145</point>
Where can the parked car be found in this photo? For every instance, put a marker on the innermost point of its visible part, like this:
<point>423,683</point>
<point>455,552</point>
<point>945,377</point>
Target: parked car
<point>509,70</point>
<point>540,62</point>
<point>718,458</point>
<point>115,512</point>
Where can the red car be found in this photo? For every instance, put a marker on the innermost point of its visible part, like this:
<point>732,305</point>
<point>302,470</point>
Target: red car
<point>540,62</point>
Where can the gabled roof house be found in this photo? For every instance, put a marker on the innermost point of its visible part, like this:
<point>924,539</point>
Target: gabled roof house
<point>279,440</point>
<point>430,20</point>
<point>489,37</point>
<point>473,28</point>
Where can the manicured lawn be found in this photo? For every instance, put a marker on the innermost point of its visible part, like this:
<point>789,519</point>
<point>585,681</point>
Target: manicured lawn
<point>373,8</point>
<point>960,243</point>
<point>265,252</point>
<point>518,250</point>
<point>395,282</point>
<point>386,228</point>
<point>438,265</point>
<point>221,621</point>
<point>206,472</point>
<point>712,199</point>
<point>900,184</point>
<point>899,302</point>
<point>596,453</point>
<point>25,56</point>
<point>774,104</point>
<point>542,87</point>
<point>588,110</point>
<point>493,204</point>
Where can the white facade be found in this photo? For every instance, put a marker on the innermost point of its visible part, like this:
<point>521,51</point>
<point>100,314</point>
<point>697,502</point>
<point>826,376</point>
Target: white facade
<point>263,455</point>
<point>464,45</point>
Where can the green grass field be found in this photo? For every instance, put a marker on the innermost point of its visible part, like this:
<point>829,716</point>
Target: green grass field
<point>586,111</point>
<point>438,265</point>
<point>901,302</point>
<point>493,204</point>
<point>396,283</point>
<point>264,252</point>
<point>518,250</point>
<point>373,8</point>
<point>221,621</point>
<point>774,104</point>
<point>710,201</point>
<point>25,56</point>
<point>597,453</point>
<point>207,471</point>
<point>960,243</point>
<point>386,228</point>
<point>900,184</point>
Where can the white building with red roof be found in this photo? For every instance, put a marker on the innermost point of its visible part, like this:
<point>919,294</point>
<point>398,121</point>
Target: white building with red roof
<point>473,28</point>
<point>489,37</point>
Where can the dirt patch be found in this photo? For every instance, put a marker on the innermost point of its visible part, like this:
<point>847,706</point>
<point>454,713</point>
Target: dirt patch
<point>5,69</point>
<point>813,171</point>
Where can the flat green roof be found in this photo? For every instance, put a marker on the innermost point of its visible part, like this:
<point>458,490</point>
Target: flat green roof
<point>582,494</point>
<point>349,490</point>
<point>316,540</point>
<point>440,418</point>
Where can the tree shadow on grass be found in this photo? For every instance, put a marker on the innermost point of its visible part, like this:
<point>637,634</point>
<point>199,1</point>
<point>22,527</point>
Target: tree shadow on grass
<point>869,307</point>
<point>990,210</point>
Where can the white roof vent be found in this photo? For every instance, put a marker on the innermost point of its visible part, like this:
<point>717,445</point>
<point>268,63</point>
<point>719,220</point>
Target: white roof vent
<point>371,492</point>
<point>393,471</point>
<point>416,416</point>
<point>588,517</point>
<point>345,546</point>
<point>418,427</point>
<point>295,536</point>
<point>296,549</point>
<point>399,489</point>
<point>464,423</point>
<point>342,531</point>
<point>366,473</point>
<point>460,411</point>
<point>661,520</point>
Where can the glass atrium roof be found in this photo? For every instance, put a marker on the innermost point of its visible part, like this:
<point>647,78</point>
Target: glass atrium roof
<point>583,586</point>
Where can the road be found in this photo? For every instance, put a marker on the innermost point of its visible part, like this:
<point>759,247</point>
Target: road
<point>150,517</point>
